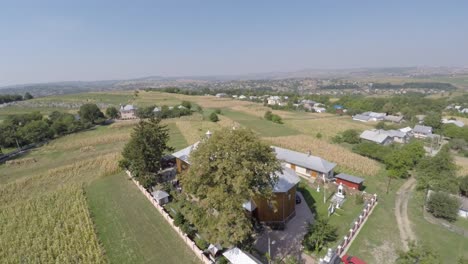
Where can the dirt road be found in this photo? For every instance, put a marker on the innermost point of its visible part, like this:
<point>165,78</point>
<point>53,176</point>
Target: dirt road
<point>401,212</point>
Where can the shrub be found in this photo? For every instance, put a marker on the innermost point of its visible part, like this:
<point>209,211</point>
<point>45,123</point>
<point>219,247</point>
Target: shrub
<point>443,205</point>
<point>359,199</point>
<point>319,135</point>
<point>217,111</point>
<point>276,119</point>
<point>214,117</point>
<point>179,219</point>
<point>201,244</point>
<point>351,136</point>
<point>268,115</point>
<point>464,186</point>
<point>188,229</point>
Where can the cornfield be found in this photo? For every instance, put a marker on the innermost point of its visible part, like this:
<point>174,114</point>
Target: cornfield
<point>52,228</point>
<point>347,160</point>
<point>327,126</point>
<point>90,141</point>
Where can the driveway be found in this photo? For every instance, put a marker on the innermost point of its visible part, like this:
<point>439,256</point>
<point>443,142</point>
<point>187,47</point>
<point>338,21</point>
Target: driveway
<point>287,241</point>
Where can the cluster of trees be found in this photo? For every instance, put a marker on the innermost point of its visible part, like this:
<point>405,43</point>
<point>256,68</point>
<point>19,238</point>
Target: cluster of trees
<point>8,98</point>
<point>142,154</point>
<point>458,138</point>
<point>273,117</point>
<point>166,111</point>
<point>23,129</point>
<point>422,85</point>
<point>350,136</point>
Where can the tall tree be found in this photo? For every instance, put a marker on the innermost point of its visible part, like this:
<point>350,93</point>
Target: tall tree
<point>319,235</point>
<point>443,205</point>
<point>227,170</point>
<point>36,131</point>
<point>142,154</point>
<point>91,113</point>
<point>112,112</point>
<point>433,119</point>
<point>27,96</point>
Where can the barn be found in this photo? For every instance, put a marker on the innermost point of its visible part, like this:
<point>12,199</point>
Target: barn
<point>350,181</point>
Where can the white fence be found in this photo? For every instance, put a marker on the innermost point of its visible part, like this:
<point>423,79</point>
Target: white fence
<point>169,219</point>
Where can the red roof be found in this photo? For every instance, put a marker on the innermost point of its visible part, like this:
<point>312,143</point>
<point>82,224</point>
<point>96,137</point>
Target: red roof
<point>352,260</point>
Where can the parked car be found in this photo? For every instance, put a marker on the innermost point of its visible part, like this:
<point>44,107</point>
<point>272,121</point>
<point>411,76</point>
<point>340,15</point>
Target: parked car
<point>298,199</point>
<point>352,260</point>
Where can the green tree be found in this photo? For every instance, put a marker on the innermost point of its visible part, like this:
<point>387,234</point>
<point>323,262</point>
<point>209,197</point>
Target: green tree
<point>433,119</point>
<point>36,131</point>
<point>268,115</point>
<point>187,104</point>
<point>112,112</point>
<point>142,154</point>
<point>350,136</point>
<point>276,119</point>
<point>464,186</point>
<point>418,254</point>
<point>320,234</point>
<point>229,168</point>
<point>91,113</point>
<point>214,117</point>
<point>217,111</point>
<point>443,205</point>
<point>27,96</point>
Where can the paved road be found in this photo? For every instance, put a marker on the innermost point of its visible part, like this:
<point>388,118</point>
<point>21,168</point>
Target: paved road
<point>401,212</point>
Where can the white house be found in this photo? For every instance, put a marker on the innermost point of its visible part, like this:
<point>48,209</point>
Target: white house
<point>373,116</point>
<point>376,136</point>
<point>242,97</point>
<point>128,112</point>
<point>237,256</point>
<point>319,109</point>
<point>274,100</point>
<point>221,95</point>
<point>420,131</point>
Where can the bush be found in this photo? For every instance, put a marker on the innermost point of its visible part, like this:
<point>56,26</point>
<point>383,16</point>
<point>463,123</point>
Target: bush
<point>188,229</point>
<point>276,119</point>
<point>351,136</point>
<point>201,244</point>
<point>217,111</point>
<point>359,199</point>
<point>179,219</point>
<point>319,135</point>
<point>464,186</point>
<point>268,115</point>
<point>443,205</point>
<point>214,117</point>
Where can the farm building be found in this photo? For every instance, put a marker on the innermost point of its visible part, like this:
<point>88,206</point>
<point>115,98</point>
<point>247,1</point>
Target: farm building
<point>420,131</point>
<point>394,119</point>
<point>161,197</point>
<point>127,112</point>
<point>304,164</point>
<point>369,116</point>
<point>350,181</point>
<point>376,136</point>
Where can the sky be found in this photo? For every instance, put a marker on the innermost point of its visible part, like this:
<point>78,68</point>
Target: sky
<point>48,41</point>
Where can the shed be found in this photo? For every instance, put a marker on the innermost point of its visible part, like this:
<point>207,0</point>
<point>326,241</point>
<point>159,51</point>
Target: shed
<point>349,180</point>
<point>463,210</point>
<point>161,197</point>
<point>237,256</point>
<point>362,118</point>
<point>392,118</point>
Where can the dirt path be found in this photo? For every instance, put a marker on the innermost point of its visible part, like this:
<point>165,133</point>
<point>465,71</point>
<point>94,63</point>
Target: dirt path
<point>401,212</point>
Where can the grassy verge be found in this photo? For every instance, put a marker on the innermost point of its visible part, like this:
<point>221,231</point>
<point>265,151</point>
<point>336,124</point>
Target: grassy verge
<point>130,228</point>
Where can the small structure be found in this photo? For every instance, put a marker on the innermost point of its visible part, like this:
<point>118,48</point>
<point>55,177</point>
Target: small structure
<point>214,250</point>
<point>463,211</point>
<point>237,256</point>
<point>394,119</point>
<point>455,122</point>
<point>361,118</point>
<point>396,135</point>
<point>156,110</point>
<point>420,131</point>
<point>127,112</point>
<point>376,136</point>
<point>161,197</point>
<point>318,109</point>
<point>222,95</point>
<point>375,116</point>
<point>331,258</point>
<point>305,164</point>
<point>406,130</point>
<point>350,181</point>
<point>274,100</point>
<point>242,97</point>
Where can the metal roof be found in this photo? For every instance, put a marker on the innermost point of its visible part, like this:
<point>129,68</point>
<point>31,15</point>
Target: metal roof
<point>159,194</point>
<point>304,160</point>
<point>422,129</point>
<point>393,133</point>
<point>374,136</point>
<point>393,118</point>
<point>184,153</point>
<point>286,180</point>
<point>350,178</point>
<point>361,117</point>
<point>237,256</point>
<point>128,108</point>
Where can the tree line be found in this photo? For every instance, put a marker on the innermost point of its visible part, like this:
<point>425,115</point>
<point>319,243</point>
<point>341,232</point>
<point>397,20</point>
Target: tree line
<point>8,98</point>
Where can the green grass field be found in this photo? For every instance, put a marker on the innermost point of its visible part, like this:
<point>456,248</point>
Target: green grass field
<point>130,228</point>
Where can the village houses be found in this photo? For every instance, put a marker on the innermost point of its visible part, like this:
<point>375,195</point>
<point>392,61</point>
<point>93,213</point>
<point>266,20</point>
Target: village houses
<point>128,112</point>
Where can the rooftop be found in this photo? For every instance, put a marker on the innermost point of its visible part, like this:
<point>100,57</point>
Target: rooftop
<point>422,129</point>
<point>349,178</point>
<point>304,160</point>
<point>237,256</point>
<point>159,194</point>
<point>286,180</point>
<point>374,136</point>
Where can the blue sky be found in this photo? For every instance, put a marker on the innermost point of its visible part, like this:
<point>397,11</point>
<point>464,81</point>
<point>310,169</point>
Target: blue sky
<point>43,41</point>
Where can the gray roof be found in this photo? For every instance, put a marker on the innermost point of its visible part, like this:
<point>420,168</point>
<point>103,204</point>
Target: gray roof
<point>159,194</point>
<point>458,123</point>
<point>393,118</point>
<point>184,153</point>
<point>393,133</point>
<point>286,180</point>
<point>463,203</point>
<point>237,256</point>
<point>304,160</point>
<point>374,136</point>
<point>350,178</point>
<point>361,117</point>
<point>426,130</point>
<point>128,108</point>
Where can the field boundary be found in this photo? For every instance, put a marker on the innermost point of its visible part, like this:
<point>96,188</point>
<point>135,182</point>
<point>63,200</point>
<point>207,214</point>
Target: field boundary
<point>190,243</point>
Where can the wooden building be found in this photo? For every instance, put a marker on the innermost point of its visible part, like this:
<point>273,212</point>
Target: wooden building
<point>350,181</point>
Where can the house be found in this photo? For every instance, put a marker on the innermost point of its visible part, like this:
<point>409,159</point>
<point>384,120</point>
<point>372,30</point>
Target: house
<point>237,256</point>
<point>161,197</point>
<point>373,116</point>
<point>455,122</point>
<point>156,110</point>
<point>274,100</point>
<point>406,130</point>
<point>463,211</point>
<point>349,180</point>
<point>420,131</point>
<point>319,109</point>
<point>282,206</point>
<point>222,95</point>
<point>394,119</point>
<point>376,136</point>
<point>464,111</point>
<point>305,165</point>
<point>242,97</point>
<point>362,118</point>
<point>396,135</point>
<point>339,109</point>
<point>182,157</point>
<point>127,112</point>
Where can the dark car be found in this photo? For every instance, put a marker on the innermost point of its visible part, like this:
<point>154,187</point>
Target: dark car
<point>352,260</point>
<point>298,199</point>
